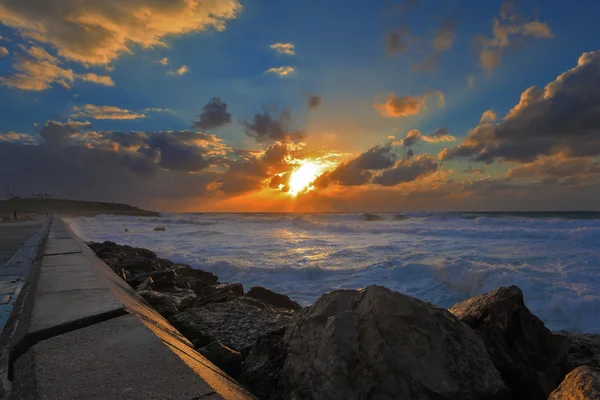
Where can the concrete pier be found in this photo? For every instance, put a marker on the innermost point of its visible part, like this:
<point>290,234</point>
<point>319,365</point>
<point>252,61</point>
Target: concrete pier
<point>79,331</point>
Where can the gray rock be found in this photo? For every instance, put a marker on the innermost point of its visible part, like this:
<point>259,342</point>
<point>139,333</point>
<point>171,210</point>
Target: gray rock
<point>147,284</point>
<point>171,303</point>
<point>161,302</point>
<point>144,252</point>
<point>138,264</point>
<point>582,349</point>
<point>223,357</point>
<point>261,370</point>
<point>583,383</point>
<point>236,288</point>
<point>235,323</point>
<point>274,299</point>
<point>219,293</point>
<point>378,344</point>
<point>528,357</point>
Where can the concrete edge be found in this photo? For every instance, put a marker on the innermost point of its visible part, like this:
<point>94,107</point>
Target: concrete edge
<point>22,299</point>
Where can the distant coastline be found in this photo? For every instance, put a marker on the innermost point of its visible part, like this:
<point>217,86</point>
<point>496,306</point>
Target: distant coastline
<point>69,207</point>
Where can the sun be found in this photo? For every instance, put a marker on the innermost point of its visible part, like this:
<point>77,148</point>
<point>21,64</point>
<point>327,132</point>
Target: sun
<point>302,177</point>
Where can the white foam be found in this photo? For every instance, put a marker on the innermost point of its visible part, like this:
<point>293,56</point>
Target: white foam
<point>440,258</point>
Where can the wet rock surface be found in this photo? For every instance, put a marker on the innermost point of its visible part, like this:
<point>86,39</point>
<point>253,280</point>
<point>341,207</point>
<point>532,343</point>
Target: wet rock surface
<point>525,352</point>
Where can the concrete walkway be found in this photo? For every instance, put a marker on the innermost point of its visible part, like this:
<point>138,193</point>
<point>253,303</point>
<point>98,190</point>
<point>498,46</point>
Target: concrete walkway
<point>79,331</point>
<point>19,241</point>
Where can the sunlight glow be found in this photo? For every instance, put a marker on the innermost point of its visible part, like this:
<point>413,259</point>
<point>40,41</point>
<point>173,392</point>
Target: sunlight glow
<point>302,178</point>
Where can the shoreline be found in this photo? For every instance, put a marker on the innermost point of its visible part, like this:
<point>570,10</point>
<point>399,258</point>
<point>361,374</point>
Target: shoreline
<point>251,334</point>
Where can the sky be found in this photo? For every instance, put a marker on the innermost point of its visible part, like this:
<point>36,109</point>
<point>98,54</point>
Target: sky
<point>278,106</point>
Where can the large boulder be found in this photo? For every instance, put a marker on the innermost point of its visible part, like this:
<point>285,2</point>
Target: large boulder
<point>378,344</point>
<point>138,264</point>
<point>223,357</point>
<point>171,303</point>
<point>582,349</point>
<point>261,370</point>
<point>583,383</point>
<point>235,323</point>
<point>219,293</point>
<point>525,352</point>
<point>274,299</point>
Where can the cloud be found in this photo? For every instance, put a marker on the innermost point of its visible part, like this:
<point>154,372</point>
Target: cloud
<point>99,79</point>
<point>214,115</point>
<point>488,116</point>
<point>397,41</point>
<point>314,101</point>
<point>284,48</point>
<point>471,82</point>
<point>37,74</point>
<point>507,32</point>
<point>444,36</point>
<point>471,170</point>
<point>359,170</point>
<point>263,128</point>
<point>282,71</point>
<point>104,112</point>
<point>4,52</point>
<point>411,138</point>
<point>557,166</point>
<point>98,32</point>
<point>404,106</point>
<point>15,137</point>
<point>562,118</point>
<point>180,71</point>
<point>38,70</point>
<point>157,109</point>
<point>58,133</point>
<point>439,135</point>
<point>407,170</point>
<point>164,61</point>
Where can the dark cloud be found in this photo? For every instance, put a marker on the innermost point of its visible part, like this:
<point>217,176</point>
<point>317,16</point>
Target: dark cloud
<point>314,101</point>
<point>359,170</point>
<point>176,156</point>
<point>78,172</point>
<point>407,171</point>
<point>378,157</point>
<point>57,133</point>
<point>264,128</point>
<point>555,166</point>
<point>561,118</point>
<point>214,115</point>
<point>411,138</point>
<point>397,41</point>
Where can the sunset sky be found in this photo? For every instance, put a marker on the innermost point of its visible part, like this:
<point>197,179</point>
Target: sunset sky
<point>335,105</point>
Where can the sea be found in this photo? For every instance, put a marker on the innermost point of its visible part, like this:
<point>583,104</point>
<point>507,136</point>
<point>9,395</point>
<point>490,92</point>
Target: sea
<point>441,258</point>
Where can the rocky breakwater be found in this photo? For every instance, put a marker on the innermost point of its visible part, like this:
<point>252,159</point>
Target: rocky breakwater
<point>371,343</point>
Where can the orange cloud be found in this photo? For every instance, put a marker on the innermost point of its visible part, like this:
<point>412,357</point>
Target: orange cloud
<point>180,71</point>
<point>99,79</point>
<point>4,52</point>
<point>104,112</point>
<point>97,32</point>
<point>284,48</point>
<point>282,71</point>
<point>505,32</point>
<point>488,116</point>
<point>404,106</point>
